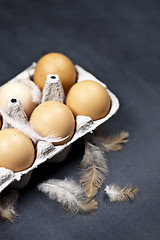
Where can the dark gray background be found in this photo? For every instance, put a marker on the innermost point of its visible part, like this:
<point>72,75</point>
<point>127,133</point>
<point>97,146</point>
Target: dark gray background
<point>119,42</point>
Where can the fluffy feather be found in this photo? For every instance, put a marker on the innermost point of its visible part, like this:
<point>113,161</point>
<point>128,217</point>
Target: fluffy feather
<point>117,194</point>
<point>69,194</point>
<point>7,201</point>
<point>114,142</point>
<point>35,91</point>
<point>111,143</point>
<point>28,130</point>
<point>93,169</point>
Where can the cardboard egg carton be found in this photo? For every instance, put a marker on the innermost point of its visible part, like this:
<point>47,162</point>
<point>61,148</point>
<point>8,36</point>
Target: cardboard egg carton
<point>45,150</point>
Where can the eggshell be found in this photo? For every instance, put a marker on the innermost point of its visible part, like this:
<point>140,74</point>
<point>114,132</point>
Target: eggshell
<point>18,90</point>
<point>55,63</point>
<point>16,150</point>
<point>88,98</point>
<point>53,118</point>
<point>45,151</point>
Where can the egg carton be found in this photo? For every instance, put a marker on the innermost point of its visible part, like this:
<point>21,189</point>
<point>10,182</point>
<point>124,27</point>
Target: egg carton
<point>45,150</point>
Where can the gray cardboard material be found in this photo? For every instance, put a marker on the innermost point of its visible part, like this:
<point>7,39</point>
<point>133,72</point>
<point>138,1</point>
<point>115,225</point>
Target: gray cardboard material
<point>46,151</point>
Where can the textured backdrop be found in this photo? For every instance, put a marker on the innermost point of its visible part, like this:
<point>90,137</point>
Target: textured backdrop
<point>119,42</point>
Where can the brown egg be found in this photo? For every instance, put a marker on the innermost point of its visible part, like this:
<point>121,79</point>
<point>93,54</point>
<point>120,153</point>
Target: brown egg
<point>20,91</point>
<point>88,98</point>
<point>55,63</point>
<point>52,117</point>
<point>16,150</point>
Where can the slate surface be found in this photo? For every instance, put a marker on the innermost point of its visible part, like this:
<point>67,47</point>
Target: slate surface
<point>119,42</point>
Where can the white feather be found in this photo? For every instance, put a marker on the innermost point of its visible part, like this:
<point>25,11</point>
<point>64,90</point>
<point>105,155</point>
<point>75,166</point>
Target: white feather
<point>68,193</point>
<point>117,194</point>
<point>28,130</point>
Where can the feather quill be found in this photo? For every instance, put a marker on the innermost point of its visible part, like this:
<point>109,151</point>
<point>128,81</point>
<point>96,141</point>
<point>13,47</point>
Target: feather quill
<point>93,169</point>
<point>117,194</point>
<point>7,202</point>
<point>111,143</point>
<point>69,194</point>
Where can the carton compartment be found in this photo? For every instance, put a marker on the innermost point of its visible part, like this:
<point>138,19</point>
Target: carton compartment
<point>45,150</point>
